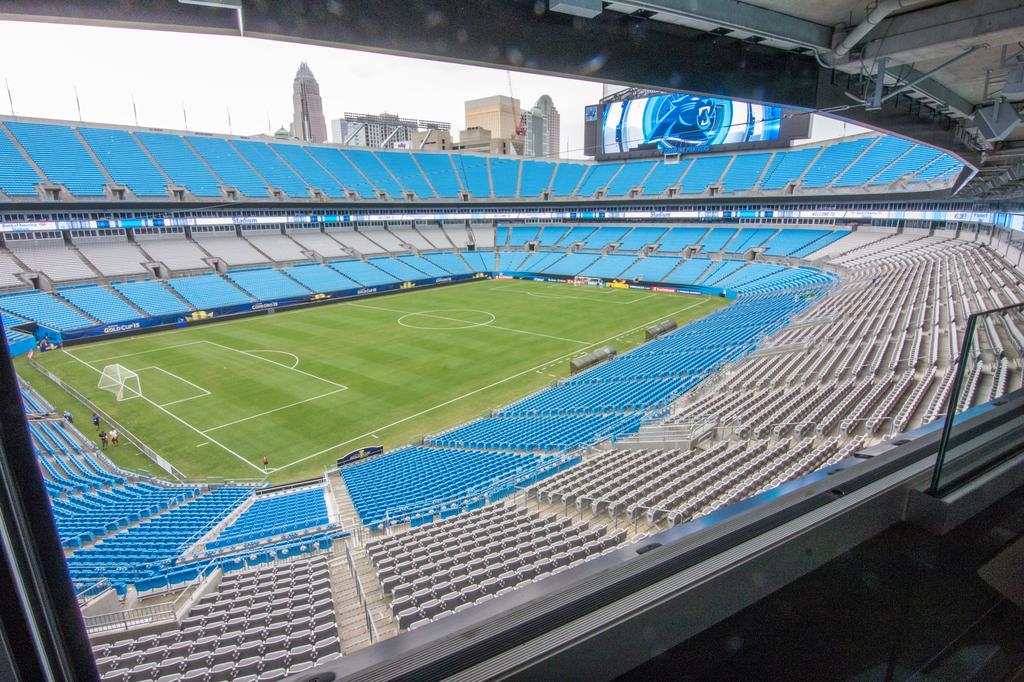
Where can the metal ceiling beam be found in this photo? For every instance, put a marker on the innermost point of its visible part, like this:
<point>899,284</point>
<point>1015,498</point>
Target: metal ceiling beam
<point>929,87</point>
<point>938,31</point>
<point>736,15</point>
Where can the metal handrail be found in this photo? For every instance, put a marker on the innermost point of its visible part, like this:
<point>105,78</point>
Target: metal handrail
<point>128,435</point>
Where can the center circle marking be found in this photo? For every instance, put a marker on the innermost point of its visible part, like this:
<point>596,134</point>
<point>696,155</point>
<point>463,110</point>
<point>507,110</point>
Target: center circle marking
<point>423,319</point>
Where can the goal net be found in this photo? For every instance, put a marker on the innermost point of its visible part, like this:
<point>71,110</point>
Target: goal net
<point>120,381</point>
<point>587,281</point>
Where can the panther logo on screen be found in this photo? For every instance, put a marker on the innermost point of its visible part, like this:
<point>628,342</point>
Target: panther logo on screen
<point>679,121</point>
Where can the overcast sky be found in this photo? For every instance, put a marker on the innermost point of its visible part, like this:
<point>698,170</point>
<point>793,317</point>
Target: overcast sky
<point>206,75</point>
<point>44,63</point>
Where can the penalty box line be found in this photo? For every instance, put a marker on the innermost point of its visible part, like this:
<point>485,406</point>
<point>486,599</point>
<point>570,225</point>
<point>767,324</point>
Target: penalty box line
<point>172,415</point>
<point>182,379</point>
<point>544,364</point>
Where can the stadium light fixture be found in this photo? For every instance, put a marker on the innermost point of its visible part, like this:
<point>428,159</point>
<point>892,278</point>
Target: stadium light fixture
<point>222,4</point>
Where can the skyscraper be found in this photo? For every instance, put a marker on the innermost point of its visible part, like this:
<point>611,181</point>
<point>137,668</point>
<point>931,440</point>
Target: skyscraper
<point>552,126</point>
<point>308,122</point>
<point>500,115</point>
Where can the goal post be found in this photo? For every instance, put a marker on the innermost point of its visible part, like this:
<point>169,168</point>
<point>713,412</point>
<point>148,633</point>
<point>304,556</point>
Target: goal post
<point>121,381</point>
<point>587,281</point>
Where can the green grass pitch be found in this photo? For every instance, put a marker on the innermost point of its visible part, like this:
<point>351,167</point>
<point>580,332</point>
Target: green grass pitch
<point>304,387</point>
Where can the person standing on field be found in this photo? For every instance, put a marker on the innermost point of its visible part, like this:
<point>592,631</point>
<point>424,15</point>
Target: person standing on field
<point>96,421</point>
<point>103,439</point>
<point>113,437</point>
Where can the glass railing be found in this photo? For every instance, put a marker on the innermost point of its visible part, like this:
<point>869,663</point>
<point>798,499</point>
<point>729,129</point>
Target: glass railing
<point>990,366</point>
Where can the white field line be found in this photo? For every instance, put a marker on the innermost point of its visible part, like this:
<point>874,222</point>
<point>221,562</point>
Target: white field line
<point>182,379</point>
<point>557,297</point>
<point>293,356</point>
<point>172,416</point>
<point>544,364</point>
<point>453,319</point>
<point>276,409</point>
<point>279,364</point>
<point>145,352</point>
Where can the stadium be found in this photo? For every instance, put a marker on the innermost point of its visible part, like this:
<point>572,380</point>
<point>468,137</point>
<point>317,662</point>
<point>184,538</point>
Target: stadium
<point>390,414</point>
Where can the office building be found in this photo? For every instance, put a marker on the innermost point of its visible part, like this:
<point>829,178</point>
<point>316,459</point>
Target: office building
<point>381,131</point>
<point>308,122</point>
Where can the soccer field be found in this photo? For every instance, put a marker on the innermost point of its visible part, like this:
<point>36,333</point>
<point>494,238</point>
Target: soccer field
<point>304,387</point>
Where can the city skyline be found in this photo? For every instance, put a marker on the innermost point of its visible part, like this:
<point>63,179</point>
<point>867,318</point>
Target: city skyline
<point>242,86</point>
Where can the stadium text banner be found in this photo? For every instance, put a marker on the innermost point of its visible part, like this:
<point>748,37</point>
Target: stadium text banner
<point>1012,221</point>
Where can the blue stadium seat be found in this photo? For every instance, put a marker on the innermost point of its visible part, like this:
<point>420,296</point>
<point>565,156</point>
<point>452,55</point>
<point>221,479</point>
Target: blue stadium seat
<point>362,273</point>
<point>125,161</point>
<point>320,278</point>
<point>689,271</point>
<point>603,236</point>
<point>640,237</point>
<point>567,177</point>
<point>449,261</point>
<point>272,515</point>
<point>748,238</point>
<point>678,238</point>
<point>397,269</point>
<point>426,267</point>
<point>267,284</point>
<point>413,480</point>
<point>744,172</point>
<point>536,178</point>
<point>513,262</point>
<point>716,240</point>
<point>576,234</point>
<point>505,177</point>
<point>61,156</point>
<point>473,172</point>
<point>481,261</point>
<point>269,165</point>
<point>152,297</point>
<point>45,309</point>
<point>550,236</point>
<point>650,269</point>
<point>313,173</point>
<point>570,264</point>
<point>598,175</point>
<point>99,302</point>
<point>180,163</point>
<point>881,154</point>
<point>944,165</point>
<point>788,241</point>
<point>227,164</point>
<point>632,175</point>
<point>440,172</point>
<point>208,291</point>
<point>786,167</point>
<point>375,171</point>
<point>408,174</point>
<point>720,271</point>
<point>819,244</point>
<point>704,171</point>
<point>609,267</point>
<point>521,234</point>
<point>836,158</point>
<point>911,162</point>
<point>663,176</point>
<point>344,171</point>
<point>17,176</point>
